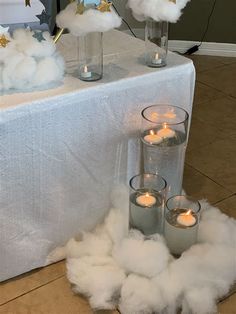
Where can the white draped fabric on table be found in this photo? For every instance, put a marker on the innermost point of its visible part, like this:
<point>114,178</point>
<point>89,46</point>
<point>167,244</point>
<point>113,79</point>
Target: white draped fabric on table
<point>63,149</point>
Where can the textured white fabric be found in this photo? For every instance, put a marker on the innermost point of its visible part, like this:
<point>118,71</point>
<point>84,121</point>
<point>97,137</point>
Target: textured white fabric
<point>64,148</point>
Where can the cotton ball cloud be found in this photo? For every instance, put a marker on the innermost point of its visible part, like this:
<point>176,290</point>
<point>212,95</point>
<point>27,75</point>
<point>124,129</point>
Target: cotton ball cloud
<point>98,278</point>
<point>27,63</point>
<point>140,296</point>
<point>90,21</point>
<point>159,10</point>
<point>143,257</point>
<point>216,228</point>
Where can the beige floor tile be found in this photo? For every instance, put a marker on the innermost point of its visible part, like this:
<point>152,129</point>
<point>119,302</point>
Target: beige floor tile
<point>202,133</point>
<point>222,78</point>
<point>204,63</point>
<point>53,298</point>
<point>199,186</point>
<point>228,206</point>
<point>219,113</point>
<point>17,286</point>
<point>205,93</point>
<point>228,306</point>
<point>217,161</point>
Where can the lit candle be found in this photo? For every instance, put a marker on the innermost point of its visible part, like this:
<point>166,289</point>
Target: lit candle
<point>186,219</point>
<point>86,73</point>
<point>146,200</point>
<point>180,230</point>
<point>166,132</point>
<point>152,138</point>
<point>156,60</point>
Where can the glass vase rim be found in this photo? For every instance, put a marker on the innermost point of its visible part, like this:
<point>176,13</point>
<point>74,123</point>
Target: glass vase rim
<point>167,123</point>
<point>190,198</point>
<point>151,174</point>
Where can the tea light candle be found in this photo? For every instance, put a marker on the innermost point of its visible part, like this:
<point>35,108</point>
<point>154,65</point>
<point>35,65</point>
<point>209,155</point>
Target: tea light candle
<point>152,138</point>
<point>166,132</point>
<point>146,200</point>
<point>186,219</point>
<point>86,73</point>
<point>156,60</point>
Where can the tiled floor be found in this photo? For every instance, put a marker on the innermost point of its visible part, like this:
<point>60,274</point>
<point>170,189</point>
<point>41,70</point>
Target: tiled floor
<point>210,173</point>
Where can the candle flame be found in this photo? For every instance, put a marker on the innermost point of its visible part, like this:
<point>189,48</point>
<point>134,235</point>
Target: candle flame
<point>152,132</point>
<point>165,125</point>
<point>147,194</point>
<point>156,56</point>
<point>188,212</point>
<point>85,69</point>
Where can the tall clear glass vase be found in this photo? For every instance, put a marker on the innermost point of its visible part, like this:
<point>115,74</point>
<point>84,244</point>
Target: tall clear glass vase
<point>164,139</point>
<point>156,40</point>
<point>90,55</point>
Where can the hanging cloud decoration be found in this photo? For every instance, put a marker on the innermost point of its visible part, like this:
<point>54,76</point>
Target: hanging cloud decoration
<point>91,20</point>
<point>158,10</point>
<point>29,60</point>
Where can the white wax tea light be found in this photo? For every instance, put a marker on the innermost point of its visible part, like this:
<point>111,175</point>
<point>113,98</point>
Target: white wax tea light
<point>156,60</point>
<point>166,132</point>
<point>146,200</point>
<point>152,138</point>
<point>186,219</point>
<point>86,73</point>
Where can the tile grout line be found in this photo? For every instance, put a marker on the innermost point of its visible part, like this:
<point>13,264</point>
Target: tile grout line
<point>208,177</point>
<point>225,198</point>
<point>36,288</point>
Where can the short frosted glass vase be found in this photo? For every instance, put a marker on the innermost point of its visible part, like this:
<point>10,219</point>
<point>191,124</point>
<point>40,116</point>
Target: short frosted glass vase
<point>156,41</point>
<point>90,55</point>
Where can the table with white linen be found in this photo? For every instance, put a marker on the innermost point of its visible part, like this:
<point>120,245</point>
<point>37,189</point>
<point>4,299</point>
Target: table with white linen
<point>64,148</point>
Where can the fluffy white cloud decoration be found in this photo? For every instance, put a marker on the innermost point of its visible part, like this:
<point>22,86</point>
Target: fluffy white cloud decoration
<point>27,62</point>
<point>90,21</point>
<point>156,282</point>
<point>159,10</point>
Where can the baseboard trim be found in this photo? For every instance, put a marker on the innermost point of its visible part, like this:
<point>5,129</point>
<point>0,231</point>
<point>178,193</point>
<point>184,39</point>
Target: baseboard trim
<point>207,48</point>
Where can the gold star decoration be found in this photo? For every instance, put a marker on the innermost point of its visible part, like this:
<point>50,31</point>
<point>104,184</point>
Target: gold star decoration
<point>3,41</point>
<point>104,6</point>
<point>27,3</point>
<point>80,8</point>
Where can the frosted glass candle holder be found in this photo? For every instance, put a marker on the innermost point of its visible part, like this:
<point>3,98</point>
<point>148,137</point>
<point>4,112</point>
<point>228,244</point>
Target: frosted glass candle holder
<point>156,41</point>
<point>147,198</point>
<point>90,54</point>
<point>164,140</point>
<point>181,223</point>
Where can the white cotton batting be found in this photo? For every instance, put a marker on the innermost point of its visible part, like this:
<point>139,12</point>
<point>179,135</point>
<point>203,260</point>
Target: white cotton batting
<point>99,278</point>
<point>140,256</point>
<point>90,21</point>
<point>159,10</point>
<point>140,296</point>
<point>26,63</point>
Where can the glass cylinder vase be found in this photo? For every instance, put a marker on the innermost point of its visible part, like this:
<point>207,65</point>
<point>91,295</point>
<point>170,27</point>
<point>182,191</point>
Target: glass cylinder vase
<point>156,41</point>
<point>181,223</point>
<point>164,140</point>
<point>90,56</point>
<point>147,199</point>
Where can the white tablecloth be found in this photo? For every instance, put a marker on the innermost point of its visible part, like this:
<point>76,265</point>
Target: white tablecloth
<point>63,149</point>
